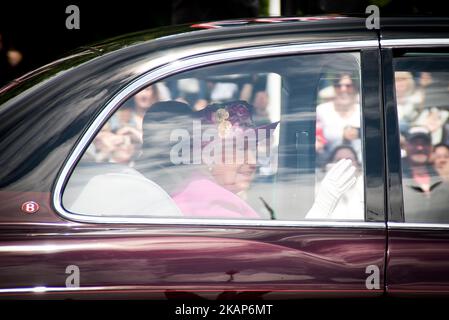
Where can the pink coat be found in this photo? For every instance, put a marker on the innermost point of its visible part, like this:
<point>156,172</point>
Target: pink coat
<point>204,198</point>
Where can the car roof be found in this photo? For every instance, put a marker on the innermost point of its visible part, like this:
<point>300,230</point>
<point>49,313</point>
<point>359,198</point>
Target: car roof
<point>327,24</point>
<point>267,25</point>
<point>306,29</point>
<point>331,27</point>
<point>222,34</point>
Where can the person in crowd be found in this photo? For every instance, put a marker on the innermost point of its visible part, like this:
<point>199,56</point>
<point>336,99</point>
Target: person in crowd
<point>440,158</point>
<point>255,90</point>
<point>119,140</point>
<point>261,99</point>
<point>320,145</point>
<point>434,120</point>
<point>10,61</point>
<point>340,118</point>
<point>194,92</point>
<point>104,144</point>
<point>424,80</point>
<point>120,146</point>
<point>434,88</point>
<point>124,117</point>
<point>425,192</point>
<point>408,100</point>
<point>417,166</point>
<point>445,139</point>
<point>224,91</point>
<point>145,98</point>
<point>123,151</point>
<point>351,204</point>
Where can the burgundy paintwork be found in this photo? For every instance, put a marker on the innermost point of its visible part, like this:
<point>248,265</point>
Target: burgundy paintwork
<point>156,261</point>
<point>152,261</point>
<point>418,262</point>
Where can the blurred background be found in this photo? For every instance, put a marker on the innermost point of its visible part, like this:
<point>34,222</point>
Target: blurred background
<point>33,34</point>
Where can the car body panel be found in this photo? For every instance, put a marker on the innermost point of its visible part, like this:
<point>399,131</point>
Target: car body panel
<point>418,260</point>
<point>193,259</point>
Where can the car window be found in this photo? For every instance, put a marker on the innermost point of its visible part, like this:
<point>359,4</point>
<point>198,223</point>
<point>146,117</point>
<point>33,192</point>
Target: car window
<point>422,98</point>
<point>275,138</point>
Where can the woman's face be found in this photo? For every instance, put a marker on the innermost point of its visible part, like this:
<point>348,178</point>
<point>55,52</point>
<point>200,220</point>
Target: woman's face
<point>345,91</point>
<point>403,83</point>
<point>145,98</point>
<point>237,175</point>
<point>345,153</point>
<point>441,157</point>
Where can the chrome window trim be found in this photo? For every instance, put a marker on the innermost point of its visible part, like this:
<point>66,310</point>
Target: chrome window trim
<point>417,226</point>
<point>174,64</point>
<point>404,43</point>
<point>42,290</point>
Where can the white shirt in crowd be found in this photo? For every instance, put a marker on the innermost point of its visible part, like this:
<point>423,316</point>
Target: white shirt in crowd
<point>333,124</point>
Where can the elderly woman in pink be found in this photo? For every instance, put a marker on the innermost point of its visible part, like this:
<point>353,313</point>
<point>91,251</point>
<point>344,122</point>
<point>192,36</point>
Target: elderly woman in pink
<point>216,189</point>
<point>215,186</point>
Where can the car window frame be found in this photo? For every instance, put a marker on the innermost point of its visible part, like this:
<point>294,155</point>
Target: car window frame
<point>395,199</point>
<point>373,218</point>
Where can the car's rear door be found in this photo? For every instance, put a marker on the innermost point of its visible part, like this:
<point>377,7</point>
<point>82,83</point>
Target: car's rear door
<point>416,83</point>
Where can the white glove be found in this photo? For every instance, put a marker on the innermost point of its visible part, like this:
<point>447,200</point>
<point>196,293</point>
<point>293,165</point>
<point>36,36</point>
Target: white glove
<point>337,181</point>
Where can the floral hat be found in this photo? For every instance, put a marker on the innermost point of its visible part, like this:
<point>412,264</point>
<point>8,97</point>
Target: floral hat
<point>232,118</point>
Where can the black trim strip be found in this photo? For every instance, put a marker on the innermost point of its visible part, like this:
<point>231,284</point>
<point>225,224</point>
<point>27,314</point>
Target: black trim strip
<point>392,140</point>
<point>373,136</point>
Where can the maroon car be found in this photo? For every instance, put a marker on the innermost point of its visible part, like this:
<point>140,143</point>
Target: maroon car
<point>278,158</point>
